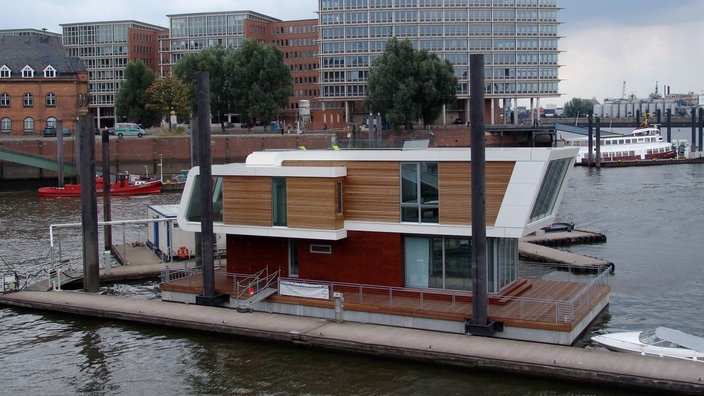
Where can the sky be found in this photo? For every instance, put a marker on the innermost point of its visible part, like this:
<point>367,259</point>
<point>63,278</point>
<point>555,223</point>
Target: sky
<point>603,42</point>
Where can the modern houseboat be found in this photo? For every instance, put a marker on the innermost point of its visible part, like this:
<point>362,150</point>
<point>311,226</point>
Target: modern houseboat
<point>644,143</point>
<point>384,236</point>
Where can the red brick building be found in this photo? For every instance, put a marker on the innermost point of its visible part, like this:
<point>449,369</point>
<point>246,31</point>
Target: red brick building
<point>39,85</point>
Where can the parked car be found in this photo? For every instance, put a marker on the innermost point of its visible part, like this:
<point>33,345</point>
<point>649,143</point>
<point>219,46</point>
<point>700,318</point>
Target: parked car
<point>49,131</point>
<point>128,129</point>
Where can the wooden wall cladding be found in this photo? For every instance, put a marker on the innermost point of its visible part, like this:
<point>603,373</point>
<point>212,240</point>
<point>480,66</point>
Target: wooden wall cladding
<point>247,200</point>
<point>371,189</point>
<point>456,191</point>
<point>311,203</point>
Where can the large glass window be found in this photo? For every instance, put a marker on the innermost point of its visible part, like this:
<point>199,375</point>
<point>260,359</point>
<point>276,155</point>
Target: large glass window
<point>438,263</point>
<point>419,192</point>
<point>278,198</point>
<point>550,188</point>
<point>28,100</point>
<point>4,99</point>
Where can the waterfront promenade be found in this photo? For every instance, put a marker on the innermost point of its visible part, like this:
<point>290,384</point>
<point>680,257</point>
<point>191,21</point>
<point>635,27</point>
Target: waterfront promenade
<point>525,358</point>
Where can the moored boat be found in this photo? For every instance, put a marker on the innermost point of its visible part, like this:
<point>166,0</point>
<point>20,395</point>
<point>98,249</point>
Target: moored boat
<point>662,342</point>
<point>643,143</point>
<point>123,185</point>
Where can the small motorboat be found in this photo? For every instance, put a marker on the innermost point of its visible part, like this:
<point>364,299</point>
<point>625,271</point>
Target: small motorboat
<point>662,342</point>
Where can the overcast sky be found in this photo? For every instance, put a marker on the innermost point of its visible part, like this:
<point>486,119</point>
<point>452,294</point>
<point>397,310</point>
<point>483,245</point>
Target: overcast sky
<point>605,42</point>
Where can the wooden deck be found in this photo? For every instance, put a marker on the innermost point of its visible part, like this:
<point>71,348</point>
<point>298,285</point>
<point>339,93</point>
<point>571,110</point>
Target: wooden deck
<point>538,304</point>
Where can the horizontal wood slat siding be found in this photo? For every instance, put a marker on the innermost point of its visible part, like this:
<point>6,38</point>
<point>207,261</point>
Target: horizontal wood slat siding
<point>311,203</point>
<point>455,186</point>
<point>371,189</point>
<point>247,200</point>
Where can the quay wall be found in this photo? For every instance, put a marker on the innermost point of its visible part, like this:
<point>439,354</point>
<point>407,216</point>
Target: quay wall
<point>174,151</point>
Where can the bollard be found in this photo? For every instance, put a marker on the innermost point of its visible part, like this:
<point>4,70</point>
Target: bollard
<point>339,300</point>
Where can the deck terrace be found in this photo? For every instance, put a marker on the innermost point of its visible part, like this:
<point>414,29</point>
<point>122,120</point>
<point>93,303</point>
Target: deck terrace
<point>529,303</point>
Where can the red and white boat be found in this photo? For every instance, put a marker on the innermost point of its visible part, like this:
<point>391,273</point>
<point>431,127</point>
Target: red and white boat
<point>123,185</point>
<point>644,143</point>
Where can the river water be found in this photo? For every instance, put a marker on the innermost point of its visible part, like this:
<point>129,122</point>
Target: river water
<point>652,217</point>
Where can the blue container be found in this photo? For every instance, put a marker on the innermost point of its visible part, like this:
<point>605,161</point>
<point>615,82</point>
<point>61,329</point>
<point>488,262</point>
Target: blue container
<point>274,126</point>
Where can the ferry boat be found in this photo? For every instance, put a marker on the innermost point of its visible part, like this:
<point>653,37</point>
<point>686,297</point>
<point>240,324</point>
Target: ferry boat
<point>643,143</point>
<point>124,184</point>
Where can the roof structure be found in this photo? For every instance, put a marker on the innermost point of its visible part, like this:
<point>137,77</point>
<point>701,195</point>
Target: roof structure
<point>38,52</point>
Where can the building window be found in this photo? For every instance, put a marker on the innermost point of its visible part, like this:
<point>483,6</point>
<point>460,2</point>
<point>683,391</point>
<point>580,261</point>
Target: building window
<point>51,122</point>
<point>419,192</point>
<point>4,99</point>
<point>28,100</point>
<point>5,72</point>
<point>6,125</point>
<point>51,99</point>
<point>27,72</point>
<point>49,72</point>
<point>278,201</point>
<point>438,262</point>
<point>550,188</point>
<point>29,125</point>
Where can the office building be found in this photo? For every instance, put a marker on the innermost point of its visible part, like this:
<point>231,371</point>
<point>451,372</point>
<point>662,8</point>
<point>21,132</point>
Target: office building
<point>518,38</point>
<point>106,48</point>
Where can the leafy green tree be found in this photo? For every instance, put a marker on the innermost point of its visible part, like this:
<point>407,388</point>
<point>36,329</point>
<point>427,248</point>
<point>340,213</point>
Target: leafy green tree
<point>406,85</point>
<point>132,98</point>
<point>212,60</point>
<point>260,82</point>
<point>169,94</point>
<point>578,107</point>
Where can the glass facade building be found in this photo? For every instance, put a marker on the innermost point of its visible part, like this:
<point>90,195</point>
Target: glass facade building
<point>518,38</point>
<point>105,48</point>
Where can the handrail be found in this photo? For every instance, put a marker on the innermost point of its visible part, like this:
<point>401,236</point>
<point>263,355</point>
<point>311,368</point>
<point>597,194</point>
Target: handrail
<point>529,308</point>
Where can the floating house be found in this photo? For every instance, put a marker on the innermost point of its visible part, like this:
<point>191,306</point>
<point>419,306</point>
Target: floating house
<point>384,236</point>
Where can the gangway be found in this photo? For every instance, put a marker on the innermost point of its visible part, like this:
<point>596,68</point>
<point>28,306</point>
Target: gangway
<point>36,161</point>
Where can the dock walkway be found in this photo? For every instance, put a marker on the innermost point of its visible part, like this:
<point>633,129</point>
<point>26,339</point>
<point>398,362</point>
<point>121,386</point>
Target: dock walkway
<point>537,248</point>
<point>524,358</point>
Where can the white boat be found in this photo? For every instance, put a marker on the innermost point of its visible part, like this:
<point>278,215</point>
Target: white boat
<point>662,342</point>
<point>642,143</point>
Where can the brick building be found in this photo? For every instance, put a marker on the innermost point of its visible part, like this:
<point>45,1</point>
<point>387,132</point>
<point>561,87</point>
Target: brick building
<point>39,84</point>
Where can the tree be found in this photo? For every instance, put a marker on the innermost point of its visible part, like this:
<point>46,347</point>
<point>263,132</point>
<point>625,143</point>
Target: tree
<point>406,85</point>
<point>212,60</point>
<point>167,95</point>
<point>577,107</point>
<point>260,82</point>
<point>132,98</point>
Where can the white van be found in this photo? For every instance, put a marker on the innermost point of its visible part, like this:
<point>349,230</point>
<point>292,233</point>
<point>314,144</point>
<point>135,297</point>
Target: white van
<point>128,129</point>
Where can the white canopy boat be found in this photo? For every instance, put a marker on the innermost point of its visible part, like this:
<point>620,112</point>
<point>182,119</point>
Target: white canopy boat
<point>662,342</point>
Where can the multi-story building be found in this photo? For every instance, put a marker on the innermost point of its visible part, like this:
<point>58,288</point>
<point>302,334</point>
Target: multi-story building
<point>296,39</point>
<point>106,48</point>
<point>39,84</point>
<point>518,38</point>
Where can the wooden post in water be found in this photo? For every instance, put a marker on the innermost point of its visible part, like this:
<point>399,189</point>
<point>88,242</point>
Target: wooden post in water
<point>668,118</point>
<point>479,324</point>
<point>693,142</point>
<point>60,152</point>
<point>701,128</point>
<point>598,143</point>
<point>89,203</point>
<point>107,210</point>
<point>209,296</point>
<point>590,141</point>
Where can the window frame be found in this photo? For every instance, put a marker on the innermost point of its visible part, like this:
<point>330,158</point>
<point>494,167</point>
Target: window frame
<point>28,99</point>
<point>50,100</point>
<point>5,99</point>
